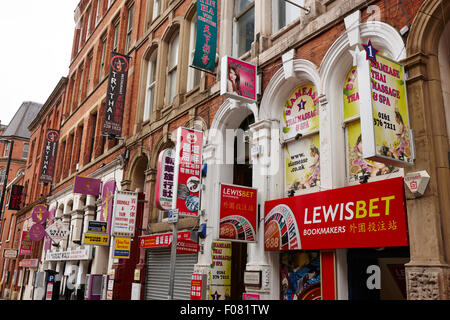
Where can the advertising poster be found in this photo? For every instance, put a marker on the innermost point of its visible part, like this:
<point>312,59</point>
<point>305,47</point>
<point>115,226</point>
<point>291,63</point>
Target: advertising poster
<point>49,156</point>
<point>115,94</point>
<point>164,179</point>
<point>220,272</point>
<point>109,188</point>
<point>188,163</point>
<point>300,275</point>
<point>303,163</point>
<point>206,41</point>
<point>360,216</point>
<point>238,79</point>
<point>25,244</point>
<point>301,112</point>
<point>384,111</point>
<point>125,209</point>
<point>238,213</point>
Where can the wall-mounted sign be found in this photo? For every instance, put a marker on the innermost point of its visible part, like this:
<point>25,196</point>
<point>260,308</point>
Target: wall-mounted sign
<point>97,226</point>
<point>25,243</point>
<point>39,214</point>
<point>198,286</point>
<point>15,198</point>
<point>206,43</point>
<point>37,232</point>
<point>29,263</point>
<point>253,278</point>
<point>188,164</point>
<point>79,253</point>
<point>115,94</point>
<point>125,209</point>
<point>301,112</point>
<point>186,246</point>
<point>366,215</point>
<point>10,253</point>
<point>96,239</point>
<point>108,190</point>
<point>122,248</point>
<point>49,156</point>
<point>251,296</point>
<point>57,231</point>
<point>238,80</point>
<point>165,179</point>
<point>161,240</point>
<point>220,274</point>
<point>417,182</point>
<point>385,129</point>
<point>238,213</point>
<point>86,185</point>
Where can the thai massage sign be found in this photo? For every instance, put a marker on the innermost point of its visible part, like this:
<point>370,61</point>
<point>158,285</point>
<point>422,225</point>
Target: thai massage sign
<point>206,42</point>
<point>386,135</point>
<point>238,79</point>
<point>361,216</point>
<point>164,179</point>
<point>238,213</point>
<point>115,95</point>
<point>188,162</point>
<point>301,112</point>
<point>49,156</point>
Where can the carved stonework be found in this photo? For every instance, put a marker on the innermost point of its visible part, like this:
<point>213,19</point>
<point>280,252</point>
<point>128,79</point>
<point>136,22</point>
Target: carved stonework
<point>424,284</point>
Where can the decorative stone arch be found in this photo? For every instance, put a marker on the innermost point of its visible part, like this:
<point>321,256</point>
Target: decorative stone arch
<point>428,275</point>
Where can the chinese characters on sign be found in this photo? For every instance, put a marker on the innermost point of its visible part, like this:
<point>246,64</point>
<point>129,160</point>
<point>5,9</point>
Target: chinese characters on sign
<point>16,197</point>
<point>164,179</point>
<point>188,162</point>
<point>125,209</point>
<point>49,156</point>
<point>206,41</point>
<point>198,282</point>
<point>115,95</point>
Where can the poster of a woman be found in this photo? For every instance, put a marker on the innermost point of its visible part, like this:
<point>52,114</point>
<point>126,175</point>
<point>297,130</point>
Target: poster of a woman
<point>234,80</point>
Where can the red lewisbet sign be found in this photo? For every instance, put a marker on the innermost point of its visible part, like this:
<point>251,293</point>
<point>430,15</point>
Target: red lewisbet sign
<point>238,213</point>
<point>361,216</point>
<point>188,163</point>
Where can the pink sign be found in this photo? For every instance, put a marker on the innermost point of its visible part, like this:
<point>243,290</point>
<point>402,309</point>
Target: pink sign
<point>238,79</point>
<point>86,185</point>
<point>37,232</point>
<point>108,202</point>
<point>188,163</point>
<point>40,214</point>
<point>25,243</point>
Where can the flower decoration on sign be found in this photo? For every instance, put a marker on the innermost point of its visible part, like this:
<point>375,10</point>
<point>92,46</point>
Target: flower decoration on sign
<point>371,52</point>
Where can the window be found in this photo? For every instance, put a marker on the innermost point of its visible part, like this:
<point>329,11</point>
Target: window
<point>109,4</point>
<point>193,74</point>
<point>25,151</point>
<point>116,37</point>
<point>6,150</point>
<point>357,166</point>
<point>88,28</point>
<point>150,85</point>
<point>80,38</point>
<point>244,26</point>
<point>156,9</point>
<point>102,60</point>
<point>94,128</point>
<point>2,175</point>
<point>97,14</point>
<point>89,71</point>
<point>284,13</point>
<point>172,69</point>
<point>129,27</point>
<point>80,85</point>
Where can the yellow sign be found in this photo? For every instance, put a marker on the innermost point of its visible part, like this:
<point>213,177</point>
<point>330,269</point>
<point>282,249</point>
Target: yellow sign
<point>96,239</point>
<point>122,248</point>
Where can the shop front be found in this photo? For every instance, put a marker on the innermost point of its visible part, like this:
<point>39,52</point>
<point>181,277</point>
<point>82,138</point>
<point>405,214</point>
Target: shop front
<point>367,222</point>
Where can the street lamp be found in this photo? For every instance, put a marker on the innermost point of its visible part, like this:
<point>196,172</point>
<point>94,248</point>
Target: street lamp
<point>5,182</point>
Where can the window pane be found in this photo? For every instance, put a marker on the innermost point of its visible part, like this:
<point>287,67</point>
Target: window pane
<point>284,13</point>
<point>25,151</point>
<point>172,85</point>
<point>241,5</point>
<point>245,31</point>
<point>156,7</point>
<point>173,59</point>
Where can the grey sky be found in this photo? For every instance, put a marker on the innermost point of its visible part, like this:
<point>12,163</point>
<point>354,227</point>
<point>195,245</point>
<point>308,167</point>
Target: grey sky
<point>36,42</point>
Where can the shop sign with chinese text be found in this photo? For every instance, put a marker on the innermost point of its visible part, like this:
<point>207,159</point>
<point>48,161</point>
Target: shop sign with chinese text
<point>15,198</point>
<point>361,216</point>
<point>161,240</point>
<point>164,179</point>
<point>188,163</point>
<point>206,42</point>
<point>125,209</point>
<point>385,129</point>
<point>238,213</point>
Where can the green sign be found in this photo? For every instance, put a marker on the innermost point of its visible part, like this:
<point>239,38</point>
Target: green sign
<point>205,48</point>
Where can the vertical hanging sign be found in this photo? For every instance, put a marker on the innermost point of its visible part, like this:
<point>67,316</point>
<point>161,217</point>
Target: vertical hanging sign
<point>115,95</point>
<point>49,156</point>
<point>164,179</point>
<point>206,43</point>
<point>188,162</point>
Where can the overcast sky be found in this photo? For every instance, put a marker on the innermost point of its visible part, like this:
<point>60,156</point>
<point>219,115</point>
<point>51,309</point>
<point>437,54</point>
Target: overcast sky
<point>36,42</point>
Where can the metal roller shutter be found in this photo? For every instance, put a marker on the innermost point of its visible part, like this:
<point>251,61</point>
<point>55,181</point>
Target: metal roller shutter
<point>158,273</point>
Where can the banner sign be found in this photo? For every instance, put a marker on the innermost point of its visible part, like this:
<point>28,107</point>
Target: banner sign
<point>361,216</point>
<point>49,156</point>
<point>164,179</point>
<point>385,129</point>
<point>122,248</point>
<point>186,246</point>
<point>206,41</point>
<point>57,231</point>
<point>73,254</point>
<point>188,163</point>
<point>51,220</point>
<point>25,243</point>
<point>40,214</point>
<point>198,286</point>
<point>96,239</point>
<point>109,188</point>
<point>162,240</point>
<point>220,274</point>
<point>115,94</point>
<point>125,209</point>
<point>97,226</point>
<point>10,253</point>
<point>15,198</point>
<point>29,263</point>
<point>238,213</point>
<point>301,112</point>
<point>238,79</point>
<point>86,185</point>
